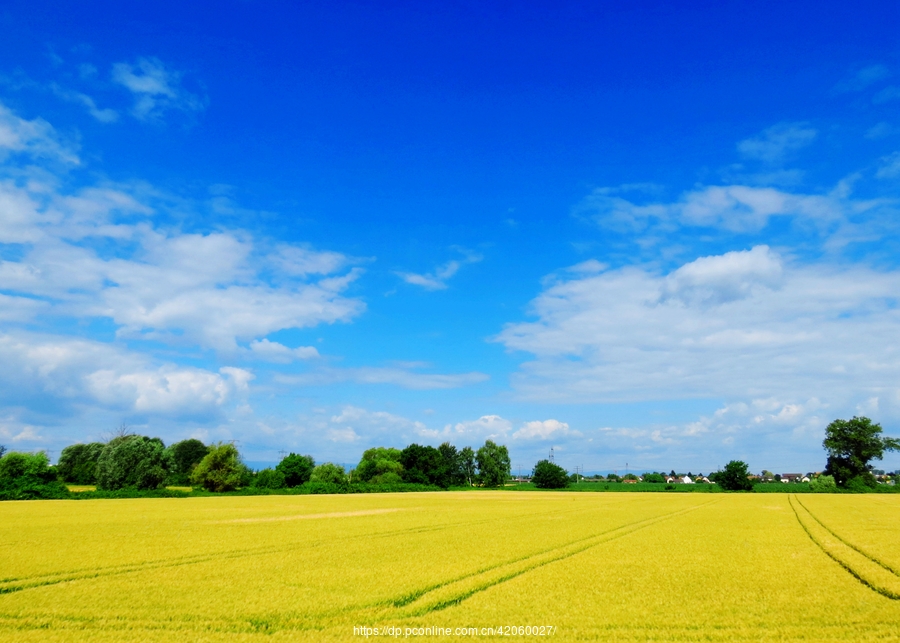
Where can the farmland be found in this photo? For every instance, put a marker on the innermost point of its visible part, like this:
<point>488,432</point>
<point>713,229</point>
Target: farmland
<point>618,567</point>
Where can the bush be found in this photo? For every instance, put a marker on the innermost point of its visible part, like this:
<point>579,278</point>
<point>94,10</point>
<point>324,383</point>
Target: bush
<point>221,469</point>
<point>823,484</point>
<point>388,477</point>
<point>28,476</point>
<point>78,463</point>
<point>269,479</point>
<point>296,469</point>
<point>132,462</point>
<point>548,475</point>
<point>657,478</point>
<point>329,473</point>
<point>15,465</point>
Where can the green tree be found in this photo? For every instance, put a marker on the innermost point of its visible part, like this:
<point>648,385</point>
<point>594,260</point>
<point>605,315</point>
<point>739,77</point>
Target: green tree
<point>612,477</point>
<point>380,464</point>
<point>467,465</point>
<point>851,445</point>
<point>733,477</point>
<point>424,465</point>
<point>269,479</point>
<point>296,469</point>
<point>132,462</point>
<point>452,465</point>
<point>654,477</point>
<point>493,464</point>
<point>548,475</point>
<point>78,463</point>
<point>221,469</point>
<point>184,456</point>
<point>329,473</point>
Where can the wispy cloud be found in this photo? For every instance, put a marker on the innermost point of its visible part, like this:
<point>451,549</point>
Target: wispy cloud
<point>36,139</point>
<point>105,115</point>
<point>775,144</point>
<point>437,279</point>
<point>863,78</point>
<point>156,88</point>
<point>404,377</point>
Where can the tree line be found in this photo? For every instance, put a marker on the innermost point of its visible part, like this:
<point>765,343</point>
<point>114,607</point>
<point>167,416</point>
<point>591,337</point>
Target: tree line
<point>141,463</point>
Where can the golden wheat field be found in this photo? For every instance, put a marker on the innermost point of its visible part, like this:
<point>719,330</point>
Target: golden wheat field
<point>583,566</point>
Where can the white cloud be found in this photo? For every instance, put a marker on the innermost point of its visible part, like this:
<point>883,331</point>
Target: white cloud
<point>437,280</point>
<point>731,326</point>
<point>275,352</point>
<point>404,377</point>
<point>776,143</point>
<point>156,89</point>
<point>209,289</point>
<point>734,208</point>
<point>725,277</point>
<point>77,371</point>
<point>36,139</point>
<point>487,427</point>
<point>544,430</point>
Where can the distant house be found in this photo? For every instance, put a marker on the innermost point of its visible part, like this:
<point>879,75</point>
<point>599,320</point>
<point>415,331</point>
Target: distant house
<point>630,481</point>
<point>687,480</point>
<point>791,477</point>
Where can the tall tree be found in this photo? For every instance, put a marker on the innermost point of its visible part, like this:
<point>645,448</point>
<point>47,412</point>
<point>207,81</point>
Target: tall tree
<point>467,465</point>
<point>493,464</point>
<point>78,463</point>
<point>423,465</point>
<point>186,455</point>
<point>452,465</point>
<point>132,461</point>
<point>851,445</point>
<point>296,469</point>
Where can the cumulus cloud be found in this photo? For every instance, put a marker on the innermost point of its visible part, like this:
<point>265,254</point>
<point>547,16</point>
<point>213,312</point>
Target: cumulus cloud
<point>544,430</point>
<point>77,371</point>
<point>775,144</point>
<point>156,88</point>
<point>437,279</point>
<point>730,326</point>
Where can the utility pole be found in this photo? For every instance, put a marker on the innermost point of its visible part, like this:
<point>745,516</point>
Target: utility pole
<point>551,454</point>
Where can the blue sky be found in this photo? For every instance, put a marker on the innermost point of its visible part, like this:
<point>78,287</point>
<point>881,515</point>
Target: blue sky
<point>640,233</point>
